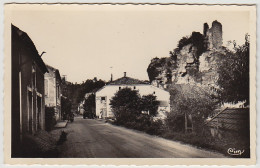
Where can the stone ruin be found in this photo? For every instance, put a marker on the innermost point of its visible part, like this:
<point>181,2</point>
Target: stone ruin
<point>213,35</point>
<point>186,66</point>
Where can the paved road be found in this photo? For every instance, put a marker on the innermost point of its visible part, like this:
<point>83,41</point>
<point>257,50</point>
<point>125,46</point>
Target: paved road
<point>95,139</point>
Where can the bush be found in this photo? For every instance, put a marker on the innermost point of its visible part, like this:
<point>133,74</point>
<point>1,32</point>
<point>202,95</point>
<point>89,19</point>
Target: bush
<point>155,128</point>
<point>50,120</point>
<point>65,107</point>
<point>127,106</point>
<point>90,106</point>
<point>189,101</point>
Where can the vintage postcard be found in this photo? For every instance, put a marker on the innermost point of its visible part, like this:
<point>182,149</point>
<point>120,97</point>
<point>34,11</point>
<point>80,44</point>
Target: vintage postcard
<point>130,84</point>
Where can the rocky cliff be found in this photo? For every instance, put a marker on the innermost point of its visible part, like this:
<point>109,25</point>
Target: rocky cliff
<point>194,61</point>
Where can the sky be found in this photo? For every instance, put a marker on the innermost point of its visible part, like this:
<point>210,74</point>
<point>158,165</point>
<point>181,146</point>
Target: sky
<point>87,41</point>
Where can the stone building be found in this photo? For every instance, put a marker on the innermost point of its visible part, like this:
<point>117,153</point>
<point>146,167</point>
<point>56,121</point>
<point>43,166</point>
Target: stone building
<point>27,101</point>
<point>53,90</point>
<point>104,95</point>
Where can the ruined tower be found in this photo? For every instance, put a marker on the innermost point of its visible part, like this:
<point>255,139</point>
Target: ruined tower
<point>213,35</point>
<point>205,29</point>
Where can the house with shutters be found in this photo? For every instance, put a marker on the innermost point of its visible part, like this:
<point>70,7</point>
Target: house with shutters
<point>105,94</point>
<point>53,84</point>
<point>27,94</point>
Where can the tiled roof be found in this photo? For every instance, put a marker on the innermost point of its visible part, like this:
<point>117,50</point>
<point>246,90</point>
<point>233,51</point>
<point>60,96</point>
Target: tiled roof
<point>127,81</point>
<point>231,118</point>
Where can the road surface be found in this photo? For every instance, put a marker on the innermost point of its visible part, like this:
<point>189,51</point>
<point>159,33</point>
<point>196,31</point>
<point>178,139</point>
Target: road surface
<point>89,138</point>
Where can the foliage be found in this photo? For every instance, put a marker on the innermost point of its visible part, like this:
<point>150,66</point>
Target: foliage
<point>152,69</point>
<point>205,140</point>
<point>65,108</point>
<point>125,104</point>
<point>234,74</point>
<point>160,64</point>
<point>149,103</point>
<point>196,39</point>
<point>190,100</point>
<point>90,106</point>
<point>76,92</point>
<point>49,118</point>
<point>87,87</point>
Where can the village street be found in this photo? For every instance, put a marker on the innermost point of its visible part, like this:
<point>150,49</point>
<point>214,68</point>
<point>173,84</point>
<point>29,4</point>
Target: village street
<point>91,138</point>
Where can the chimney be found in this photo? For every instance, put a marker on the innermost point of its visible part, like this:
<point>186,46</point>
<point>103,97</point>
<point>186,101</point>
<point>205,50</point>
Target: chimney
<point>111,78</point>
<point>124,74</point>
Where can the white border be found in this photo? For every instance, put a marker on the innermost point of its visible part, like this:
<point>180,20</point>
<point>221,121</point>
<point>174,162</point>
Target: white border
<point>115,1</point>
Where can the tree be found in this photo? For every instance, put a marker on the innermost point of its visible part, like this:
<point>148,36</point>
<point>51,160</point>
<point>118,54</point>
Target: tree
<point>125,105</point>
<point>150,104</point>
<point>87,87</point>
<point>234,74</point>
<point>190,102</point>
<point>65,107</point>
<point>76,92</point>
<point>90,106</point>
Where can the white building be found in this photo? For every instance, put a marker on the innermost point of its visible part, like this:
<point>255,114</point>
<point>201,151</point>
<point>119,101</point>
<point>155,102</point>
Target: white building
<point>105,94</point>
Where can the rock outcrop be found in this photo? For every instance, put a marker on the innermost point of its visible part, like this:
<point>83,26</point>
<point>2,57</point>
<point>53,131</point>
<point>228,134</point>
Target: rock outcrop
<point>194,61</point>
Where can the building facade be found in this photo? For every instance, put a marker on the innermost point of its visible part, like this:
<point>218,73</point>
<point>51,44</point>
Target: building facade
<point>52,82</point>
<point>105,94</point>
<point>28,69</point>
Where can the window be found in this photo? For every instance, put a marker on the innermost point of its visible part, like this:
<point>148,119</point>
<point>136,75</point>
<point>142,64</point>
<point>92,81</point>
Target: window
<point>103,99</point>
<point>119,88</point>
<point>33,77</point>
<point>153,92</point>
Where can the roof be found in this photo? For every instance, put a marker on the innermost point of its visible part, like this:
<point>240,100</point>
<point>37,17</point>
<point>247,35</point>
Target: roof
<point>26,40</point>
<point>57,72</point>
<point>127,81</point>
<point>230,118</point>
